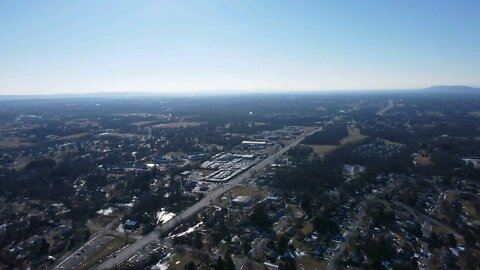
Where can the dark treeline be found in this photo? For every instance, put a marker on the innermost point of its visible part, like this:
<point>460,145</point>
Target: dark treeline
<point>331,135</point>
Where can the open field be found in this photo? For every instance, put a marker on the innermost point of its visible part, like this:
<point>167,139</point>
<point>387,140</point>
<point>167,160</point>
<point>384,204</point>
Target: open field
<point>307,228</point>
<point>307,262</point>
<point>72,137</point>
<point>470,209</point>
<point>142,123</point>
<point>394,143</point>
<point>354,136</point>
<point>463,261</point>
<point>439,230</point>
<point>423,159</point>
<point>468,205</point>
<point>179,125</point>
<point>248,191</point>
<point>21,163</point>
<point>179,261</point>
<point>13,142</point>
<point>434,262</point>
<point>323,150</point>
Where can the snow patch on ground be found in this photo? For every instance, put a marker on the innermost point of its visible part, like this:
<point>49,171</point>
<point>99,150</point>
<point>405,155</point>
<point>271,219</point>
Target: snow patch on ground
<point>106,212</point>
<point>164,216</point>
<point>130,205</point>
<point>162,264</point>
<point>190,230</point>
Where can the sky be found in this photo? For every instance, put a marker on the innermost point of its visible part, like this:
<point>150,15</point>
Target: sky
<point>51,47</point>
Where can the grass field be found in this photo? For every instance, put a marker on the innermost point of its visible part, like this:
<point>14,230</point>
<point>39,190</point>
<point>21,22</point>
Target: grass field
<point>462,260</point>
<point>323,150</point>
<point>179,261</point>
<point>439,230</point>
<point>72,137</point>
<point>423,160</point>
<point>21,163</point>
<point>142,123</point>
<point>354,136</point>
<point>307,228</point>
<point>179,125</point>
<point>257,193</point>
<point>13,142</point>
<point>470,209</point>
<point>307,262</point>
<point>394,143</point>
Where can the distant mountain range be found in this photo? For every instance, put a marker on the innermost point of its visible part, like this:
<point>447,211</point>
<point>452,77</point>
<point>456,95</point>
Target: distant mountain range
<point>452,89</point>
<point>438,89</point>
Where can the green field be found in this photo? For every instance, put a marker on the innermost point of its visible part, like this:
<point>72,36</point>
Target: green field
<point>354,136</point>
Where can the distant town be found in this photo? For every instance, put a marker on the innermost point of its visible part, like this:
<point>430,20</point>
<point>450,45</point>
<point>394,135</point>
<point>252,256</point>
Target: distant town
<point>275,181</point>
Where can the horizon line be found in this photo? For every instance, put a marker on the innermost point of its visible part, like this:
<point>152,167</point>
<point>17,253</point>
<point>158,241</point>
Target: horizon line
<point>228,92</point>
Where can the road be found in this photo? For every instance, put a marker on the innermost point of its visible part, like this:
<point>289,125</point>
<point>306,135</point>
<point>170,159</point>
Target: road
<point>427,228</point>
<point>430,219</point>
<point>130,250</point>
<point>89,249</point>
<point>72,260</point>
<point>386,108</point>
<point>348,236</point>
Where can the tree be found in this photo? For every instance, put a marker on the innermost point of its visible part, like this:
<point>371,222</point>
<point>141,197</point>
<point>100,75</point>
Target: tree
<point>323,225</point>
<point>190,266</point>
<point>470,240</point>
<point>452,241</point>
<point>197,241</point>
<point>435,240</point>
<point>288,263</point>
<point>246,247</point>
<point>307,204</point>
<point>259,217</point>
<point>220,265</point>
<point>283,243</point>
<point>229,264</point>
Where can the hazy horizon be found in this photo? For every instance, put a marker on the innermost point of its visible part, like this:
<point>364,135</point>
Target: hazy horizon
<point>161,47</point>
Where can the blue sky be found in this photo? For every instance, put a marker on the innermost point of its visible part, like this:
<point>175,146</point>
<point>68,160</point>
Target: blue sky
<point>194,46</point>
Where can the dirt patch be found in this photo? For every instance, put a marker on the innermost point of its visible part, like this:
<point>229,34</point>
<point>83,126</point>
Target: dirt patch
<point>323,150</point>
<point>423,160</point>
<point>394,143</point>
<point>142,123</point>
<point>179,125</point>
<point>354,135</point>
<point>13,142</point>
<point>72,137</point>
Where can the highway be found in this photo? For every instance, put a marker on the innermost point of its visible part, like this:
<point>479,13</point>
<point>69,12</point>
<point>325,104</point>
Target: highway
<point>82,254</point>
<point>351,233</point>
<point>389,106</point>
<point>130,250</point>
